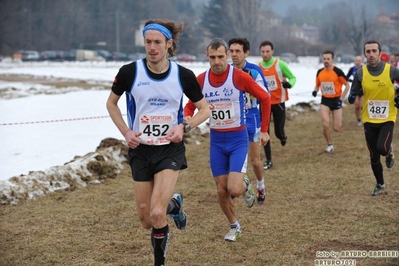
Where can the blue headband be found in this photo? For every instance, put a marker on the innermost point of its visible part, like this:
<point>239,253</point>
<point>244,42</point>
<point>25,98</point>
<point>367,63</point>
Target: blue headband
<point>160,28</point>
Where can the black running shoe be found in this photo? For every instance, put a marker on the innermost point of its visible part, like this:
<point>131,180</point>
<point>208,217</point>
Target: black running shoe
<point>390,159</point>
<point>261,196</point>
<point>268,165</point>
<point>283,141</point>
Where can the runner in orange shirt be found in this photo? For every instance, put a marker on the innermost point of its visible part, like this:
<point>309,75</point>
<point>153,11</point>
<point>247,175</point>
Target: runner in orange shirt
<point>279,79</point>
<point>330,80</point>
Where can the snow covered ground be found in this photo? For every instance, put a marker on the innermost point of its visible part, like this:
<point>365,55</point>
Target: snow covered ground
<point>42,126</point>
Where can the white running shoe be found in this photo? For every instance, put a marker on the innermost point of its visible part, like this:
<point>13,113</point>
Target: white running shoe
<point>233,234</point>
<point>359,123</point>
<point>379,189</point>
<point>249,195</point>
<point>330,148</point>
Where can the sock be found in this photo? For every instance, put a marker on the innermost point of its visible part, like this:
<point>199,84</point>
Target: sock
<point>261,184</point>
<point>329,144</point>
<point>235,225</point>
<point>173,207</point>
<point>159,240</point>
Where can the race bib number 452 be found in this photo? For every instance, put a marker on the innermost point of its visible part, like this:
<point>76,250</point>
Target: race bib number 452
<point>154,128</point>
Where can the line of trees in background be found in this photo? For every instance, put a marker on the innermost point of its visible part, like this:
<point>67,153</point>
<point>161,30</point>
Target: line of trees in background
<point>110,25</point>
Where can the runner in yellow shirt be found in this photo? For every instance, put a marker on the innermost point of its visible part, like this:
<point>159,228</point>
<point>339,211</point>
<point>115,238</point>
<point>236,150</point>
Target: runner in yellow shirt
<point>379,112</point>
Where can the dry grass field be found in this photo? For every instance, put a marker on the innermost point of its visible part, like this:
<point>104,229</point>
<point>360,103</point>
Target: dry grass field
<point>316,202</point>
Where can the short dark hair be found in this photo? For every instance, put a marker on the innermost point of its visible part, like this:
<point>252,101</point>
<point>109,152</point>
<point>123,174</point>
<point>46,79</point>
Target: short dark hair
<point>329,52</point>
<point>371,42</point>
<point>215,43</point>
<point>242,41</point>
<point>266,43</point>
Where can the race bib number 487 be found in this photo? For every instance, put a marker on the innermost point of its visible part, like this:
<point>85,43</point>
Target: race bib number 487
<point>378,109</point>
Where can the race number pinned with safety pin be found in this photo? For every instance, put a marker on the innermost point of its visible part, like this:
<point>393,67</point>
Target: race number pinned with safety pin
<point>328,88</point>
<point>222,115</point>
<point>154,128</point>
<point>378,109</point>
<point>271,83</point>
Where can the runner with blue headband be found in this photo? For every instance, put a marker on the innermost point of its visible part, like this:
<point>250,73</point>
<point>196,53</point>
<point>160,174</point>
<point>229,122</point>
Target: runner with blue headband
<point>155,87</point>
<point>158,27</point>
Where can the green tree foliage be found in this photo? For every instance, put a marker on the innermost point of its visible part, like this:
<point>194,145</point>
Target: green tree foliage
<point>212,18</point>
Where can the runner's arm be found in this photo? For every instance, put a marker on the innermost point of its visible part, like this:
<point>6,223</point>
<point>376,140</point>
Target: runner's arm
<point>287,73</point>
<point>115,113</point>
<point>262,95</point>
<point>356,83</point>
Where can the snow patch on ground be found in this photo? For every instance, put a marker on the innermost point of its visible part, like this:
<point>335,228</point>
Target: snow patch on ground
<point>93,168</point>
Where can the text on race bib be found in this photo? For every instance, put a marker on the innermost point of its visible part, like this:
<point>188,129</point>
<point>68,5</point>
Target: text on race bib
<point>327,88</point>
<point>222,114</point>
<point>154,128</point>
<point>271,83</point>
<point>378,109</point>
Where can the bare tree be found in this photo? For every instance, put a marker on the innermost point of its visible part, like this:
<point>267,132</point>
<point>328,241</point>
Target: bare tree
<point>63,25</point>
<point>357,28</point>
<point>344,24</point>
<point>233,18</point>
<point>244,16</point>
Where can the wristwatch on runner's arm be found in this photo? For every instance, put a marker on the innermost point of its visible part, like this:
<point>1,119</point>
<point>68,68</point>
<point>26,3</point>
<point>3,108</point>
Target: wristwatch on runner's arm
<point>187,127</point>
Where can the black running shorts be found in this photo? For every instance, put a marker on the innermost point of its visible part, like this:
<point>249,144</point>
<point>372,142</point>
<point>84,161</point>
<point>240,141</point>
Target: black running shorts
<point>147,160</point>
<point>332,103</point>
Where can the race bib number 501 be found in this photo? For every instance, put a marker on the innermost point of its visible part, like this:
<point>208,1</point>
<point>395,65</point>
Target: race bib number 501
<point>222,114</point>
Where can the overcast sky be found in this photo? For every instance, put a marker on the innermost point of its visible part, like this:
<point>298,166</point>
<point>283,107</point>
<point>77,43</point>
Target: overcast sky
<point>388,6</point>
